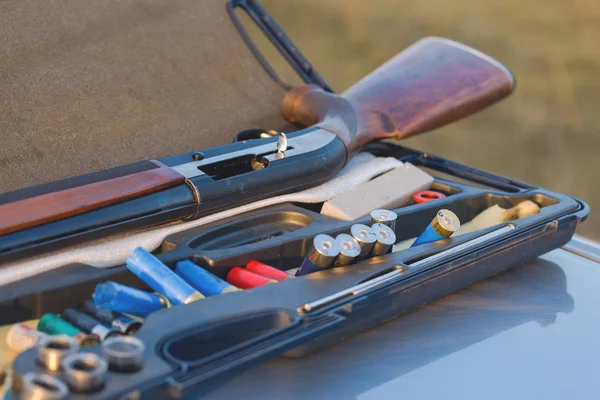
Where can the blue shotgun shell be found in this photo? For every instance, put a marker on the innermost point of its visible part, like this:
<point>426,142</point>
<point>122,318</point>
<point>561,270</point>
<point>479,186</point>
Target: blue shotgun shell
<point>160,277</point>
<point>116,297</point>
<point>320,256</point>
<point>443,226</point>
<point>202,280</point>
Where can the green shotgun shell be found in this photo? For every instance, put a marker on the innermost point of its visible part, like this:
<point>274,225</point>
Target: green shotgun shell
<point>52,324</point>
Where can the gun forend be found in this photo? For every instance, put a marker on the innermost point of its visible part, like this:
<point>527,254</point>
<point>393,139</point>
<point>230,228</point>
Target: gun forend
<point>432,83</point>
<point>130,182</point>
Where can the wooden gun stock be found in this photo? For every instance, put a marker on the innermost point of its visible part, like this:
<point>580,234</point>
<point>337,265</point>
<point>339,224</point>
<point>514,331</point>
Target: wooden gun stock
<point>432,83</point>
<point>52,206</point>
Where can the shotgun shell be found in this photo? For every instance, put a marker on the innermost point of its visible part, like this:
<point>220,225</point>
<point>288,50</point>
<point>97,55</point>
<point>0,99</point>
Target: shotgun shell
<point>443,226</point>
<point>52,324</point>
<point>385,217</point>
<point>160,278</point>
<point>425,196</point>
<point>116,297</point>
<point>89,324</point>
<point>366,238</point>
<point>267,271</point>
<point>320,256</point>
<point>21,337</point>
<point>202,280</point>
<point>241,278</point>
<point>120,322</point>
<point>349,250</point>
<point>385,239</point>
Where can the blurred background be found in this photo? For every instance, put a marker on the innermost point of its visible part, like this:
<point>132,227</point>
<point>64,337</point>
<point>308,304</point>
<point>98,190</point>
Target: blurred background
<point>547,133</point>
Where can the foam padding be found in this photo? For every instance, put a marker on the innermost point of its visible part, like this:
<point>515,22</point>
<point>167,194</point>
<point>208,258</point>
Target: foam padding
<point>390,190</point>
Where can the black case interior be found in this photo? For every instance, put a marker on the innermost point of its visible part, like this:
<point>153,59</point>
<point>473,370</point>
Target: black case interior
<point>234,330</point>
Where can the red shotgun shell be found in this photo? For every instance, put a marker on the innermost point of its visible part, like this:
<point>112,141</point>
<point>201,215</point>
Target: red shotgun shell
<point>243,279</point>
<point>267,271</point>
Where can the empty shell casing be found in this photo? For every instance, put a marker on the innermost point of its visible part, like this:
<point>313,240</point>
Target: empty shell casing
<point>366,238</point>
<point>349,250</point>
<point>385,239</point>
<point>385,217</point>
<point>442,226</point>
<point>320,256</point>
<point>202,280</point>
<point>118,321</point>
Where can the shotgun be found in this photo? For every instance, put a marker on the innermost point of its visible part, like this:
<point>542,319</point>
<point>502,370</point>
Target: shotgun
<point>434,82</point>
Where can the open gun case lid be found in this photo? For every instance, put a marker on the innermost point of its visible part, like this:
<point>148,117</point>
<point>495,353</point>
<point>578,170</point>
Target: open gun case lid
<point>92,85</point>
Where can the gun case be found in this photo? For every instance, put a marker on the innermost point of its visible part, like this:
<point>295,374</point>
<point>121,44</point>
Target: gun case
<point>102,86</point>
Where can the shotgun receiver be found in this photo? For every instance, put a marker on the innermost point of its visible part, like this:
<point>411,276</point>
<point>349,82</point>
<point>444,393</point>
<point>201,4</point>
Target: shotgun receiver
<point>432,83</point>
